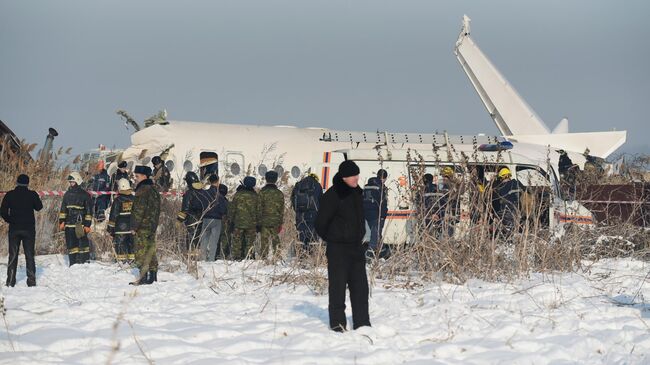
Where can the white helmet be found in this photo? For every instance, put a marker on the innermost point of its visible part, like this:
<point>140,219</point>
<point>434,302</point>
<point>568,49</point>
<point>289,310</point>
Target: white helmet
<point>123,185</point>
<point>76,177</point>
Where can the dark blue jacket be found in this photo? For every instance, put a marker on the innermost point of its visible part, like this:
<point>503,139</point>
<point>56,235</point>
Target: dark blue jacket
<point>375,202</point>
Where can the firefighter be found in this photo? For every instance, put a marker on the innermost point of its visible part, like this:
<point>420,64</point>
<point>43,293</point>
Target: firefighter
<point>145,216</point>
<point>161,176</point>
<point>75,218</point>
<point>192,210</point>
<point>507,193</point>
<point>121,173</point>
<point>305,199</point>
<point>119,222</point>
<point>244,219</point>
<point>271,214</point>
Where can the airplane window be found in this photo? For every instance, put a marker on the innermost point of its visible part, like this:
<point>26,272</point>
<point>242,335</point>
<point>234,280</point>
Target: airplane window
<point>295,172</point>
<point>279,169</point>
<point>170,165</point>
<point>187,165</point>
<point>262,169</point>
<point>146,160</point>
<point>235,169</point>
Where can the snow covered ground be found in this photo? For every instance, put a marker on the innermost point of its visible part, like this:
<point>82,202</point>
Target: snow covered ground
<point>88,314</point>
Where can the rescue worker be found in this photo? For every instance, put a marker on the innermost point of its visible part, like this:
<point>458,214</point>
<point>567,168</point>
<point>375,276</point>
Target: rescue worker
<point>244,218</point>
<point>75,217</point>
<point>192,209</point>
<point>144,222</point>
<point>225,238</point>
<point>215,208</point>
<point>121,173</point>
<point>507,193</point>
<point>340,223</point>
<point>445,211</point>
<point>119,222</point>
<point>101,200</point>
<point>161,176</point>
<point>17,209</point>
<point>271,214</point>
<point>426,200</point>
<point>375,208</point>
<point>305,199</point>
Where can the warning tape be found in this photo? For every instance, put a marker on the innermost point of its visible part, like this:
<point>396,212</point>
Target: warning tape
<point>93,193</point>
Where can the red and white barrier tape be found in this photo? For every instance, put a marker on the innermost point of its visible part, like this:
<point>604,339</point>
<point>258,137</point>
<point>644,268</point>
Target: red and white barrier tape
<point>93,193</point>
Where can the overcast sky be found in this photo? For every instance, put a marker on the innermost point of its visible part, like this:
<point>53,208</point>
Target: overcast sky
<point>362,65</point>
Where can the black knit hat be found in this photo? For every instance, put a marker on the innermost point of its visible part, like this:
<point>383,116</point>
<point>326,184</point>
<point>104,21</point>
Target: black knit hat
<point>122,165</point>
<point>213,179</point>
<point>382,174</point>
<point>348,168</point>
<point>271,177</point>
<point>156,160</point>
<point>144,170</point>
<point>23,180</point>
<point>223,189</point>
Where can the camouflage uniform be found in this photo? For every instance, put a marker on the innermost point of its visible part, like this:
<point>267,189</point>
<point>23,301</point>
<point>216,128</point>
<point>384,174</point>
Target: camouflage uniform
<point>76,210</point>
<point>243,216</point>
<point>271,212</point>
<point>144,222</point>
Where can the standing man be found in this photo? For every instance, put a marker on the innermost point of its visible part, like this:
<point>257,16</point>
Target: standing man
<point>119,222</point>
<point>375,210</point>
<point>121,173</point>
<point>243,216</point>
<point>75,217</point>
<point>161,176</point>
<point>17,209</point>
<point>212,219</point>
<point>341,224</point>
<point>192,209</point>
<point>508,192</point>
<point>144,222</point>
<point>305,200</point>
<point>101,185</point>
<point>271,213</point>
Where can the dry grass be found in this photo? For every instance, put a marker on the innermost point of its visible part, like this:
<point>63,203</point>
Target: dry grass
<point>479,251</point>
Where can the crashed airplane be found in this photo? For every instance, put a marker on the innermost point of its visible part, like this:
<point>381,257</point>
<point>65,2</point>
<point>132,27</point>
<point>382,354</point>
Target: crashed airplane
<point>294,152</point>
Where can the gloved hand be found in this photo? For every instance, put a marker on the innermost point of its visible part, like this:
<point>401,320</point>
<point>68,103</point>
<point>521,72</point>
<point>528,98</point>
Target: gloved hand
<point>87,230</point>
<point>61,226</point>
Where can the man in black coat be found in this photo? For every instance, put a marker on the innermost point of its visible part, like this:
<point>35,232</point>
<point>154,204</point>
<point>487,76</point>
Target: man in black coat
<point>305,198</point>
<point>17,209</point>
<point>340,223</point>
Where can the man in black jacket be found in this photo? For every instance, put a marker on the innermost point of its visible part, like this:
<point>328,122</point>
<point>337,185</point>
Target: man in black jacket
<point>17,209</point>
<point>340,223</point>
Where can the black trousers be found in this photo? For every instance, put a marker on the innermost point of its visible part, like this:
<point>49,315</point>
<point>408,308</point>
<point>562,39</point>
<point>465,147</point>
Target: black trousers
<point>78,248</point>
<point>28,239</point>
<point>346,267</point>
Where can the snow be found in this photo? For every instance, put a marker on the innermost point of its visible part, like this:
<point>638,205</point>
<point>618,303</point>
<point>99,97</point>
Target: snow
<point>240,313</point>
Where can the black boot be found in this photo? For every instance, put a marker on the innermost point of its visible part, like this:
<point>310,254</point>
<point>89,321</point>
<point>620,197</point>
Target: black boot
<point>144,280</point>
<point>152,276</point>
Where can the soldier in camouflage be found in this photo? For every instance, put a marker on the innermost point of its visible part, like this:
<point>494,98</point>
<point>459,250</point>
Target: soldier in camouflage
<point>144,222</point>
<point>75,217</point>
<point>243,216</point>
<point>271,213</point>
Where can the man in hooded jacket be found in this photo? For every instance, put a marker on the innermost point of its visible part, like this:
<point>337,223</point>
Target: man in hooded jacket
<point>340,222</point>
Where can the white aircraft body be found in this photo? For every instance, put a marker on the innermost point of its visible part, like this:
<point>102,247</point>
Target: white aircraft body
<point>294,152</point>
